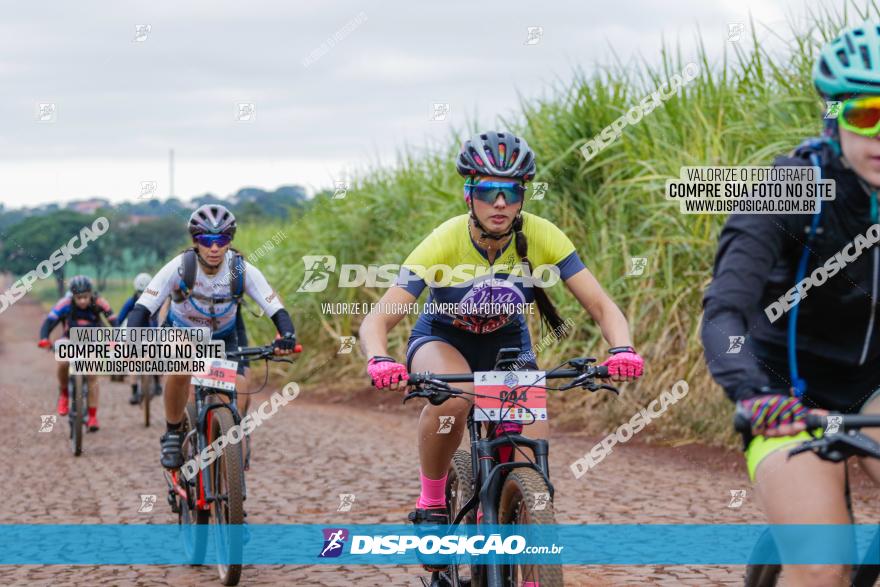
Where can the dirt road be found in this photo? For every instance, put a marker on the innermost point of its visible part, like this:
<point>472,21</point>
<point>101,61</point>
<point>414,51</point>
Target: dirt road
<point>304,457</point>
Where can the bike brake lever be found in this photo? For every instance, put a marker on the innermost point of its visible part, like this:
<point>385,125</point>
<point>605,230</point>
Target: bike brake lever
<point>610,388</point>
<point>592,386</point>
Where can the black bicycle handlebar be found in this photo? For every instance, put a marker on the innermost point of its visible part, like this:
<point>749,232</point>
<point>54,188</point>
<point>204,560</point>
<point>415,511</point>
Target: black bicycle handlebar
<point>260,352</point>
<point>598,371</point>
<point>743,424</point>
<point>436,388</point>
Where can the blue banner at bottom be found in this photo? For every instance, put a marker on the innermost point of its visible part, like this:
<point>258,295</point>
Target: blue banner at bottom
<point>618,544</point>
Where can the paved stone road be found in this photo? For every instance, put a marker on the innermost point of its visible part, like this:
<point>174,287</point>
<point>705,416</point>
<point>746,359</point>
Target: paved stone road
<point>303,458</point>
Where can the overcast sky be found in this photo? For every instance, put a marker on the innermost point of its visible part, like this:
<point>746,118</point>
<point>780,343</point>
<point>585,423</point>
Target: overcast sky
<point>121,103</point>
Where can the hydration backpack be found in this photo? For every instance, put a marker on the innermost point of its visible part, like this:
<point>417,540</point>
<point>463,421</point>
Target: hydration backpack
<point>188,268</point>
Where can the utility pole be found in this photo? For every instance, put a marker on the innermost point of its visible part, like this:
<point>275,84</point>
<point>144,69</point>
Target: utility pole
<point>171,173</point>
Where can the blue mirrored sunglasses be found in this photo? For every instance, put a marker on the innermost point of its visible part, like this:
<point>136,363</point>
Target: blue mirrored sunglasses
<point>207,240</point>
<point>487,191</point>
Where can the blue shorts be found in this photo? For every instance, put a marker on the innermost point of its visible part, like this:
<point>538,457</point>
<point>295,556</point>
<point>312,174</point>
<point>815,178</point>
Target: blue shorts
<point>479,350</point>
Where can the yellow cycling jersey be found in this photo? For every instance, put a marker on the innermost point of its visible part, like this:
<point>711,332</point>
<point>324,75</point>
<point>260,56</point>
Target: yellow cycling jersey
<point>472,294</point>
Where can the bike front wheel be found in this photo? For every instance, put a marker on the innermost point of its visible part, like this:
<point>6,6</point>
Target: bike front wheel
<point>525,499</point>
<point>227,509</point>
<point>192,519</point>
<point>77,392</point>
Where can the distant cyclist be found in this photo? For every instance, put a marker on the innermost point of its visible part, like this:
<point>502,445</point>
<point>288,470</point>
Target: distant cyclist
<point>823,352</point>
<point>495,235</point>
<point>81,308</point>
<point>218,277</point>
<point>140,284</point>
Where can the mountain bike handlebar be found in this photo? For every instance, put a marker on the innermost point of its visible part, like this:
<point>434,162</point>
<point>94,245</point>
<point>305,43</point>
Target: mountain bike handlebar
<point>436,388</point>
<point>841,437</point>
<point>266,352</point>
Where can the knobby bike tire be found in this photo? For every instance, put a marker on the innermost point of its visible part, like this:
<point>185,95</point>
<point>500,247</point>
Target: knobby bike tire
<point>228,480</point>
<point>146,394</point>
<point>520,493</point>
<point>76,392</point>
<point>459,489</point>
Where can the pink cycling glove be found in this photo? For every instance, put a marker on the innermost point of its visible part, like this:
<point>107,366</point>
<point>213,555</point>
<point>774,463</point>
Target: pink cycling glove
<point>768,412</point>
<point>624,362</point>
<point>384,371</point>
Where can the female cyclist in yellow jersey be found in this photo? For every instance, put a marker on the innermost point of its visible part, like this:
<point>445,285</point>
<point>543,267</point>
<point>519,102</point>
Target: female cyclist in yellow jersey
<point>478,269</point>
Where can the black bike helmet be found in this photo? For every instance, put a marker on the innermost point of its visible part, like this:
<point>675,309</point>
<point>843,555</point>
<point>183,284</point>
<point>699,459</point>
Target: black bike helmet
<point>496,153</point>
<point>212,219</point>
<point>80,284</point>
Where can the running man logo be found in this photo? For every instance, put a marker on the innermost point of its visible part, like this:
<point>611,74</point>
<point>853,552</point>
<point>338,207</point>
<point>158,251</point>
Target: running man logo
<point>540,190</point>
<point>147,503</point>
<point>736,344</point>
<point>735,31</point>
<point>346,500</point>
<point>334,539</point>
<point>535,34</point>
<point>446,423</point>
<point>318,270</point>
<point>439,111</point>
<point>638,265</point>
<point>834,423</point>
<point>541,501</point>
<point>346,344</point>
<point>737,496</point>
<point>832,109</point>
<point>341,188</point>
<point>47,422</point>
<point>141,32</point>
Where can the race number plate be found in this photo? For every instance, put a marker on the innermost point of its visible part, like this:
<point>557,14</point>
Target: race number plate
<point>220,375</point>
<point>503,387</point>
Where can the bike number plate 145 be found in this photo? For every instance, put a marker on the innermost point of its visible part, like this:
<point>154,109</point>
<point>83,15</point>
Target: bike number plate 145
<point>504,387</point>
<point>220,375</point>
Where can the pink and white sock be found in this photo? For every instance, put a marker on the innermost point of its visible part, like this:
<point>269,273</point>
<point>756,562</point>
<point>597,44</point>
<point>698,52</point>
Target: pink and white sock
<point>433,493</point>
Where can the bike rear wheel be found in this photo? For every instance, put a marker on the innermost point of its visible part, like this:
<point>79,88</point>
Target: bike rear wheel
<point>146,392</point>
<point>525,500</point>
<point>76,391</point>
<point>193,521</point>
<point>227,510</point>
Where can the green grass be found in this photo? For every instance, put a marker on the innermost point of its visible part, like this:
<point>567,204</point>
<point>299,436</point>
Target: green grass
<point>745,110</point>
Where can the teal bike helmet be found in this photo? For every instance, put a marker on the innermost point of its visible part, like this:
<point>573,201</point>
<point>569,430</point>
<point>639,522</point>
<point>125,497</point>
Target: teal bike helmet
<point>850,64</point>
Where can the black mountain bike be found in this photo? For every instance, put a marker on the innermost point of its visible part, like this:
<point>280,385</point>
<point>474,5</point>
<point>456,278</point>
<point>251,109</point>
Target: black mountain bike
<point>517,492</point>
<point>216,493</point>
<point>78,392</point>
<point>840,441</point>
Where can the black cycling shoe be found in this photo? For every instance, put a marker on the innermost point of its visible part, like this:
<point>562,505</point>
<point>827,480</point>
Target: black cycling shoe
<point>427,521</point>
<point>172,457</point>
<point>135,396</point>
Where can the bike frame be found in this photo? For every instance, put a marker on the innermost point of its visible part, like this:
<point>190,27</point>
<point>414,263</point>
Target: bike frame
<point>488,478</point>
<point>204,409</point>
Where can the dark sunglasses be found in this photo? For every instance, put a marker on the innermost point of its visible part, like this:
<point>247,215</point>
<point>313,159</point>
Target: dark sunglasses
<point>487,191</point>
<point>207,240</point>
